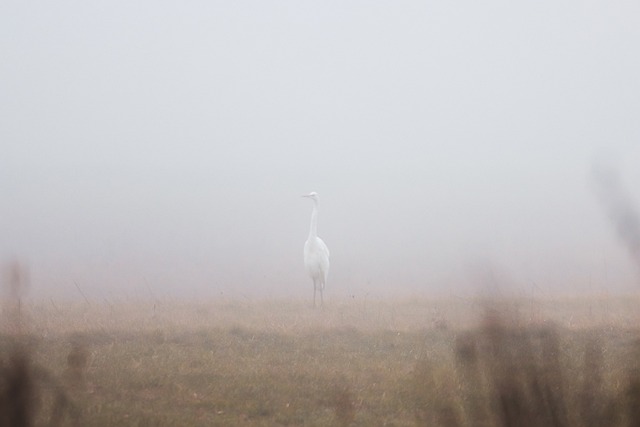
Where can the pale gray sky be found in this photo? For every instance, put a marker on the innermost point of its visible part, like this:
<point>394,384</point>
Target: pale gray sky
<point>165,145</point>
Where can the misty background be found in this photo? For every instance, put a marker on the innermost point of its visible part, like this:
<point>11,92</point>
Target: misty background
<point>162,147</point>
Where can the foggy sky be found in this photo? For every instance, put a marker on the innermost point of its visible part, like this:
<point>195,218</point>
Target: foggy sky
<point>162,147</point>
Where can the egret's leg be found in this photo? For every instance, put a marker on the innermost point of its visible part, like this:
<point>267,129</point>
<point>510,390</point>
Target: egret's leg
<point>314,292</point>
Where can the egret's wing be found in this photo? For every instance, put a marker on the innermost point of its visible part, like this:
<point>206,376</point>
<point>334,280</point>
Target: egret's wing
<point>323,247</point>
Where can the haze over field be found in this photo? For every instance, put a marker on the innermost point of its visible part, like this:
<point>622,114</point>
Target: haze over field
<point>163,147</point>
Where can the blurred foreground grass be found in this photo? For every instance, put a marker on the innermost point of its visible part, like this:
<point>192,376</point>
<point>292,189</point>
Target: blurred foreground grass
<point>569,361</point>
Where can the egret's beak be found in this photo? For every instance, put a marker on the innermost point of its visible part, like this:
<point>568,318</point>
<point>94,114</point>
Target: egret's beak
<point>305,195</point>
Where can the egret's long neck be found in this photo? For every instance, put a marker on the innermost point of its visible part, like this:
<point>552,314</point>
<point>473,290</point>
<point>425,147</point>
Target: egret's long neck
<point>313,230</point>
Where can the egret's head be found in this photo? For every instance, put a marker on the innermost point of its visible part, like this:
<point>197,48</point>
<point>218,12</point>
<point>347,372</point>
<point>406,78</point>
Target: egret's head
<point>313,195</point>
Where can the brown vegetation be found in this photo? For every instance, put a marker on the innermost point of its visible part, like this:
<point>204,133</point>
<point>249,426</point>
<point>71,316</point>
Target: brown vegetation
<point>548,363</point>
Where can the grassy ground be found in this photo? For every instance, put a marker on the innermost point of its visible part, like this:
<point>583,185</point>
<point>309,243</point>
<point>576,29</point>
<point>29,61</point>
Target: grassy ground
<point>405,362</point>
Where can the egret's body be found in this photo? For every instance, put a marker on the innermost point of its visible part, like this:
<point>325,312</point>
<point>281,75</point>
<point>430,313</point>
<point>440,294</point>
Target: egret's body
<point>316,253</point>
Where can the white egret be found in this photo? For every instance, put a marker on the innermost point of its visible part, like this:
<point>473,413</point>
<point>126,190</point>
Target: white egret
<point>316,253</point>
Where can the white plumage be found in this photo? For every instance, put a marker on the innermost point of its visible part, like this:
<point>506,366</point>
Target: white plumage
<point>316,253</point>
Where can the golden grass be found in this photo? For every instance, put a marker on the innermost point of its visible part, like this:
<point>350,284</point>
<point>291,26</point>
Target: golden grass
<point>404,362</point>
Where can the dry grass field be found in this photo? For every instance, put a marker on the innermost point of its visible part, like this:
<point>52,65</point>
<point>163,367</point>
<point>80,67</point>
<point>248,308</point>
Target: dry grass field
<point>449,362</point>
